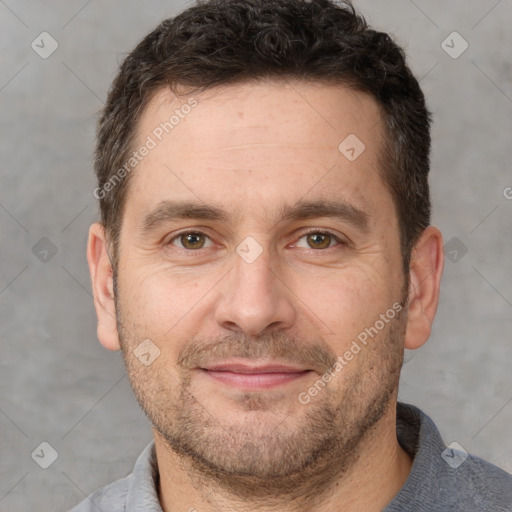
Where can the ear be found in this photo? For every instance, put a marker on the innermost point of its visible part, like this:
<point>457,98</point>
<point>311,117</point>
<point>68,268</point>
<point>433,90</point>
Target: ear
<point>425,270</point>
<point>102,286</point>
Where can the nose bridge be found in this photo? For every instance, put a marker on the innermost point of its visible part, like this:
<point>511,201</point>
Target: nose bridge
<point>253,298</point>
<point>253,268</point>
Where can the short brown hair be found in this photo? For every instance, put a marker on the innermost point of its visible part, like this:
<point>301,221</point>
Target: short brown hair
<point>218,42</point>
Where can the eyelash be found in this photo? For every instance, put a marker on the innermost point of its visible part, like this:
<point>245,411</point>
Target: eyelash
<point>339,241</point>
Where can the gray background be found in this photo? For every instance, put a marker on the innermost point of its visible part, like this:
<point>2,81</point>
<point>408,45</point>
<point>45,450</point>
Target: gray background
<point>58,385</point>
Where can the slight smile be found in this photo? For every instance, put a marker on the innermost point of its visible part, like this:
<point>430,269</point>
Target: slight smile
<point>252,376</point>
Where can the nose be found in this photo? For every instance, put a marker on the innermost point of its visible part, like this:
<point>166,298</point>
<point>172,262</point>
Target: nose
<point>255,298</point>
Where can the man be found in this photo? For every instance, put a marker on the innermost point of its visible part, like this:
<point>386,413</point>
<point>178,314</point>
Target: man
<point>264,256</point>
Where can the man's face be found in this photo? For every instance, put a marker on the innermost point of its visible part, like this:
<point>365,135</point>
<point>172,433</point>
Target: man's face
<point>248,311</point>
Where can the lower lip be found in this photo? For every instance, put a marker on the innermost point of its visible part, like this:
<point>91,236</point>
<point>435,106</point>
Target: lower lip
<point>255,380</point>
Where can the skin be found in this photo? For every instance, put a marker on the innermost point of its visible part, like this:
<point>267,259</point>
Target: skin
<point>250,149</point>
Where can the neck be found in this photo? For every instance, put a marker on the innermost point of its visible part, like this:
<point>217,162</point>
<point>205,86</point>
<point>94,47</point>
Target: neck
<point>378,469</point>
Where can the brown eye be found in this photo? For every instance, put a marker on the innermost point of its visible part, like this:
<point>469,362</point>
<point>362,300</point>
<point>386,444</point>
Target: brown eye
<point>319,240</point>
<point>191,240</point>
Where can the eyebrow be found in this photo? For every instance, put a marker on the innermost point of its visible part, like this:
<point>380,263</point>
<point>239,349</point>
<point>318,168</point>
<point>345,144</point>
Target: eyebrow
<point>172,210</point>
<point>168,210</point>
<point>334,209</point>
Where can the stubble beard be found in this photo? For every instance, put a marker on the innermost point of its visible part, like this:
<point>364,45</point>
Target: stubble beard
<point>292,457</point>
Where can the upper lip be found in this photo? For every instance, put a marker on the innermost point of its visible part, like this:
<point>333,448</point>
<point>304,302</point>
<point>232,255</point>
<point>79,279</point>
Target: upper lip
<point>237,367</point>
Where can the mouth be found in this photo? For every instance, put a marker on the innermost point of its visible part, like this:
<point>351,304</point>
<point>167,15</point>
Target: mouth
<point>252,376</point>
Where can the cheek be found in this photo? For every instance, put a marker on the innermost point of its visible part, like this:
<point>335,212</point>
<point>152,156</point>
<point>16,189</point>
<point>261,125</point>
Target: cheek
<point>158,298</point>
<point>347,301</point>
<point>163,308</point>
<point>352,287</point>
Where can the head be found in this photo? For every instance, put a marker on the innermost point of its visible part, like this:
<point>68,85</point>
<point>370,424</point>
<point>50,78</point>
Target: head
<point>263,182</point>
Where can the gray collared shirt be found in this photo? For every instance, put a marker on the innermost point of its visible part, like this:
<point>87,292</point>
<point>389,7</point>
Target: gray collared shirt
<point>442,478</point>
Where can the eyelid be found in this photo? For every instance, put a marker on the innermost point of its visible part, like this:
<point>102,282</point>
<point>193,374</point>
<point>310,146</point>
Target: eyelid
<point>341,240</point>
<point>199,231</point>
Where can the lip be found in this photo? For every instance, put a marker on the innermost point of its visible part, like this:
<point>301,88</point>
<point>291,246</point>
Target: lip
<point>254,376</point>
<point>253,368</point>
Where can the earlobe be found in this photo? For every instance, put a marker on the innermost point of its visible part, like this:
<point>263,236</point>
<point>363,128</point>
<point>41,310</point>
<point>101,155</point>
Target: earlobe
<point>101,272</point>
<point>425,271</point>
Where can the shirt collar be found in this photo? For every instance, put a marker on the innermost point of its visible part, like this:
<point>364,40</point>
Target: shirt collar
<point>143,492</point>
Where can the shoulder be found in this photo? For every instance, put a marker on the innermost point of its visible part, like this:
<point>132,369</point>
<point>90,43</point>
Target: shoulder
<point>136,491</point>
<point>446,477</point>
<point>111,498</point>
<point>483,485</point>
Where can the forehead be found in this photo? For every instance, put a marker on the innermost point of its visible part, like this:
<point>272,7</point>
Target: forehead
<point>264,143</point>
